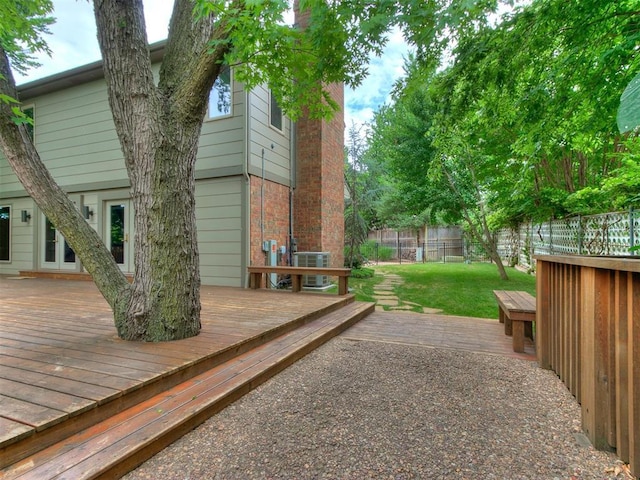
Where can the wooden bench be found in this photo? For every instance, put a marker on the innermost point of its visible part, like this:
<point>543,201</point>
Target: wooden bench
<point>256,276</point>
<point>517,310</point>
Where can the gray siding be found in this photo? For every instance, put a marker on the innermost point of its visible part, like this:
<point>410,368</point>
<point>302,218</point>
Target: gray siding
<point>75,135</point>
<point>76,138</point>
<point>262,136</point>
<point>219,213</point>
<point>21,237</point>
<point>223,140</point>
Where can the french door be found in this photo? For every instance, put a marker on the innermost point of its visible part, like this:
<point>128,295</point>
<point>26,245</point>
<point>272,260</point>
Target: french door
<point>119,232</point>
<point>56,254</point>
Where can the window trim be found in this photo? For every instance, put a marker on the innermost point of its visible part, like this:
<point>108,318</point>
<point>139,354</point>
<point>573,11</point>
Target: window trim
<point>208,117</point>
<point>282,116</point>
<point>10,207</point>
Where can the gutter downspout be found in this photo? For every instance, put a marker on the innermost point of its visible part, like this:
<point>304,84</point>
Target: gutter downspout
<point>247,210</point>
<point>262,203</point>
<point>292,185</point>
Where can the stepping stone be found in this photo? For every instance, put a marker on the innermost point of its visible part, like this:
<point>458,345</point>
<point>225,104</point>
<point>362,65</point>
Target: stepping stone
<point>388,302</point>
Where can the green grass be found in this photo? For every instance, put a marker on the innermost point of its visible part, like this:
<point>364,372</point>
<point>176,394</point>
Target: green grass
<point>455,288</point>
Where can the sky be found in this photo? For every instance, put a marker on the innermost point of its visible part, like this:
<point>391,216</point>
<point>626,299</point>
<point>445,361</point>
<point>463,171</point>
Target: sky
<point>73,43</point>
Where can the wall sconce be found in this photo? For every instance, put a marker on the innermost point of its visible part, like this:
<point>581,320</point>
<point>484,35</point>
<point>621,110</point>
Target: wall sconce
<point>87,212</point>
<point>25,216</point>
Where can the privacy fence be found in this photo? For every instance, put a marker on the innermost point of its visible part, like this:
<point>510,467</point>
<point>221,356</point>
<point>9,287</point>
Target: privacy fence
<point>588,332</point>
<point>609,234</point>
<point>444,251</point>
<point>431,244</point>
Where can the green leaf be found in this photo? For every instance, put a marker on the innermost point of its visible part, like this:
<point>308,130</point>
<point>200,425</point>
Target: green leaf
<point>629,111</point>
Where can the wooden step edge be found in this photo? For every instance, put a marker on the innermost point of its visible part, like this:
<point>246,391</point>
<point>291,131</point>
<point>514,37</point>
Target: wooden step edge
<point>235,393</point>
<point>300,343</point>
<point>27,444</point>
<point>125,465</point>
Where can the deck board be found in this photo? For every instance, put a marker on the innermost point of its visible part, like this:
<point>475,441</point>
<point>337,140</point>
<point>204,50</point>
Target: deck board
<point>478,335</point>
<point>60,356</point>
<point>124,440</point>
<point>27,413</point>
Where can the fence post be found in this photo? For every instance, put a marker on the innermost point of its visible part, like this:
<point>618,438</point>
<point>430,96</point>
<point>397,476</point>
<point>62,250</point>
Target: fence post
<point>580,234</point>
<point>377,252</point>
<point>444,252</point>
<point>632,240</point>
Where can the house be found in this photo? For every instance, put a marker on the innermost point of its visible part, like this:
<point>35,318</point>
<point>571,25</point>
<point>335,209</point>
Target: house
<point>259,177</point>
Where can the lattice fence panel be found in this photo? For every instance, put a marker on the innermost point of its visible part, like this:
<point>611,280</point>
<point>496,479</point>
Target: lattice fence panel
<point>565,236</point>
<point>525,255</point>
<point>635,229</point>
<point>606,234</point>
<point>541,239</point>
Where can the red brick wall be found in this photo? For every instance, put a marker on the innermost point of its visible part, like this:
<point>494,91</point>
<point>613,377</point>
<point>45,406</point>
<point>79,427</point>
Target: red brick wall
<point>319,195</point>
<point>276,217</point>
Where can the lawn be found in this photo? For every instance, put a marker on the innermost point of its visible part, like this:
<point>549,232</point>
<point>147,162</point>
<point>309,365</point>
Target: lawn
<point>455,288</point>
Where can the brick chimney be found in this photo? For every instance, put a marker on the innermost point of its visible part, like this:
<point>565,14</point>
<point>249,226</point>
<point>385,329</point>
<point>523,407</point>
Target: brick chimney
<point>318,224</point>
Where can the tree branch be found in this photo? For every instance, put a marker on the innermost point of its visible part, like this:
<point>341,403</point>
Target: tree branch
<point>127,69</point>
<point>190,67</point>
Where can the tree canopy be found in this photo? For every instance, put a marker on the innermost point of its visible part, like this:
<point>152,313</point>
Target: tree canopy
<point>525,109</point>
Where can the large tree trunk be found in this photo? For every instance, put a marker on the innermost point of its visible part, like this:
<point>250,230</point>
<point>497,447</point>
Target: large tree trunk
<point>159,128</point>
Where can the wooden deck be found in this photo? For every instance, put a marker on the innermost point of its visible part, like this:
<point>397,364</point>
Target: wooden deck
<point>77,402</point>
<point>63,368</point>
<point>479,335</point>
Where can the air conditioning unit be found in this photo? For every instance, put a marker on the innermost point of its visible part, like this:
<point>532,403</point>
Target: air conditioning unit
<point>313,259</point>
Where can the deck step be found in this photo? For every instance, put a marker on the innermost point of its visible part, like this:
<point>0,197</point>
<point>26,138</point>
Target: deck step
<point>24,431</point>
<point>120,443</point>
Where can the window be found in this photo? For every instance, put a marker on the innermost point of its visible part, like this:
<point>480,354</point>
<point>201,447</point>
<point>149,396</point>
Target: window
<point>220,101</point>
<point>5,233</point>
<point>275,112</point>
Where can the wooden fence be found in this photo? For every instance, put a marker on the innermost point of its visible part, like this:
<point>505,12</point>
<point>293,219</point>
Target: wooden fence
<point>588,332</point>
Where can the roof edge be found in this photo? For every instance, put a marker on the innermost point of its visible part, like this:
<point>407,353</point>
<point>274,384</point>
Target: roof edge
<point>77,76</point>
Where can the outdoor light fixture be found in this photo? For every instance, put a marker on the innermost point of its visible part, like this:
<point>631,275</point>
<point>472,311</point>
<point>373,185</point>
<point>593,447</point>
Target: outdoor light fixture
<point>26,216</point>
<point>87,212</point>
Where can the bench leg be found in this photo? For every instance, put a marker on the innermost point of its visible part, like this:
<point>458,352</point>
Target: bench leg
<point>528,330</point>
<point>343,285</point>
<point>255,280</point>
<point>500,315</point>
<point>508,329</point>
<point>518,336</point>
<point>296,282</point>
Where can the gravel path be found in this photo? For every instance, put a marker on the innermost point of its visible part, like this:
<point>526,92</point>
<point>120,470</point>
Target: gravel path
<point>358,409</point>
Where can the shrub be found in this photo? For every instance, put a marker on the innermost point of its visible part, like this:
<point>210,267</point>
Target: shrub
<point>362,272</point>
<point>357,260</point>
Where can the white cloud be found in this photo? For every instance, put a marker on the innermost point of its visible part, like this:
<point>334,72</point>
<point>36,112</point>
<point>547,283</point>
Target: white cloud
<point>73,43</point>
<point>384,71</point>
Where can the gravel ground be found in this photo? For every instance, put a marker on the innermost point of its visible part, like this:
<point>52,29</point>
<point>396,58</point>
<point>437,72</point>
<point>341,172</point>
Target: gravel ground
<point>357,410</point>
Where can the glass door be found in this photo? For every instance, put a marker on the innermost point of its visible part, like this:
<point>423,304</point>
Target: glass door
<point>119,233</point>
<point>56,252</point>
